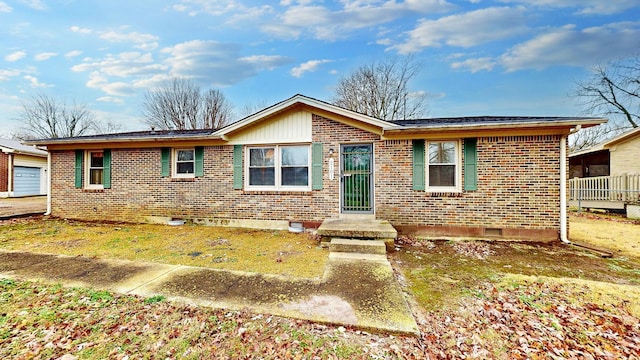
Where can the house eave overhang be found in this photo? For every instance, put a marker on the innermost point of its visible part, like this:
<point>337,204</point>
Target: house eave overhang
<point>495,129</point>
<point>6,150</point>
<point>623,137</point>
<point>123,142</point>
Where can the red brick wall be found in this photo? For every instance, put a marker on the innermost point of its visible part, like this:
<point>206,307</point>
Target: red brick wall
<point>4,172</point>
<point>518,191</point>
<point>518,198</point>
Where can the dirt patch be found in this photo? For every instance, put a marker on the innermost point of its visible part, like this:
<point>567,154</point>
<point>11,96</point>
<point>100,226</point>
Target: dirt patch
<point>16,260</point>
<point>85,270</point>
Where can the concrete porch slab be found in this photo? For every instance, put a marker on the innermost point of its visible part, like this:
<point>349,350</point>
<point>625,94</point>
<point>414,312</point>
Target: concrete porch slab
<point>358,229</point>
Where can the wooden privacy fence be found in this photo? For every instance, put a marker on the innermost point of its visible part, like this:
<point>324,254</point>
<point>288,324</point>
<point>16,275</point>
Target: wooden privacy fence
<point>619,188</point>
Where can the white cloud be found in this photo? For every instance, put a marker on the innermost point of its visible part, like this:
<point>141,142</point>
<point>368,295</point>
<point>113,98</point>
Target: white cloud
<point>326,24</point>
<point>4,7</point>
<point>311,65</point>
<point>34,82</point>
<point>206,62</point>
<point>217,63</point>
<point>45,56</point>
<point>7,74</point>
<point>570,46</point>
<point>466,30</point>
<point>215,8</point>
<point>585,7</point>
<point>475,65</point>
<point>118,88</point>
<point>15,56</point>
<point>142,41</point>
<point>34,4</point>
<point>79,30</point>
<point>73,53</point>
<point>122,65</point>
<point>265,62</point>
<point>111,99</point>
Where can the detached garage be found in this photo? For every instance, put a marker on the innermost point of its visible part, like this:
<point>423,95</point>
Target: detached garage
<point>23,169</point>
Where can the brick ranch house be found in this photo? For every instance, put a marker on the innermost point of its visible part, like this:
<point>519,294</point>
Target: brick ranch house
<point>306,160</point>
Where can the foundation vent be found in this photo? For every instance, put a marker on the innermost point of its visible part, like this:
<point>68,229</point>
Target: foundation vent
<point>492,232</point>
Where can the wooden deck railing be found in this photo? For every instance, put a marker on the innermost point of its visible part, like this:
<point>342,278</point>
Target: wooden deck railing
<point>618,188</point>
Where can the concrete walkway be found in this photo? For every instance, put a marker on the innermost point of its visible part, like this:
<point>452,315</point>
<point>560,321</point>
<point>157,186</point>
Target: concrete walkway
<point>358,291</point>
<point>12,207</point>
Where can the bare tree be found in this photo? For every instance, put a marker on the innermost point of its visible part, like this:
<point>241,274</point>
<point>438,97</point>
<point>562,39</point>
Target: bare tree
<point>45,117</point>
<point>381,90</point>
<point>251,108</point>
<point>589,137</point>
<point>612,90</point>
<point>106,127</point>
<point>180,104</point>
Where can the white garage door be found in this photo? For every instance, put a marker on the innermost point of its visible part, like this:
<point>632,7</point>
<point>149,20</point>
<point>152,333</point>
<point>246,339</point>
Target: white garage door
<point>26,181</point>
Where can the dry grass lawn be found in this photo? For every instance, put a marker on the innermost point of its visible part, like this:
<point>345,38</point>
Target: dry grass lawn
<point>606,231</point>
<point>271,252</point>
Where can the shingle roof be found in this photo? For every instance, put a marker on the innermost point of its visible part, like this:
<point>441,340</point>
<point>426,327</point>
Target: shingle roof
<point>21,148</point>
<point>136,135</point>
<point>481,120</point>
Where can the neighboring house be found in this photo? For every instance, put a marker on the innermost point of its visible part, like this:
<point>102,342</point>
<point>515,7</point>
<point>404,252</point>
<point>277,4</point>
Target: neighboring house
<point>23,169</point>
<point>307,160</point>
<point>617,156</point>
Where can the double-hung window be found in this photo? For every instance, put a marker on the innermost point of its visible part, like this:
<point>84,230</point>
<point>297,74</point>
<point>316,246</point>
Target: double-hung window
<point>443,166</point>
<point>95,170</point>
<point>184,161</point>
<point>278,167</point>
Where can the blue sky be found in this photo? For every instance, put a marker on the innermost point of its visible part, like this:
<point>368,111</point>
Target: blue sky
<point>479,57</point>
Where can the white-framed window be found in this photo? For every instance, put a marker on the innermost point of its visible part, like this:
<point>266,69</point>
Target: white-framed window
<point>184,163</point>
<point>278,167</point>
<point>443,166</point>
<point>94,169</point>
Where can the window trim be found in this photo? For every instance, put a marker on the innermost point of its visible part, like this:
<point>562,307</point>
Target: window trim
<point>87,170</point>
<point>457,188</point>
<point>277,168</point>
<point>174,163</point>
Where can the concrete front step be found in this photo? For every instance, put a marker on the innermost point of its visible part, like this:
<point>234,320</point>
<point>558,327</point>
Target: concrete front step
<point>358,229</point>
<point>355,256</point>
<point>339,245</point>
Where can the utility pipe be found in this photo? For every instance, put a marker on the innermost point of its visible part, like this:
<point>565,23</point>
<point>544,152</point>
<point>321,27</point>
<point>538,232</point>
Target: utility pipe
<point>48,183</point>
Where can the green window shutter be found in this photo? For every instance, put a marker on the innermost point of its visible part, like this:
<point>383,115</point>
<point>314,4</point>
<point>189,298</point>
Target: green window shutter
<point>316,166</point>
<point>78,168</point>
<point>106,169</point>
<point>470,164</point>
<point>199,171</point>
<point>166,159</point>
<point>418,165</point>
<point>237,167</point>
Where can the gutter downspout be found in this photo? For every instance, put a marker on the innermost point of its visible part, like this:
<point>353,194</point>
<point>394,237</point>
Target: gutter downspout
<point>48,183</point>
<point>563,190</point>
<point>10,175</point>
<point>563,186</point>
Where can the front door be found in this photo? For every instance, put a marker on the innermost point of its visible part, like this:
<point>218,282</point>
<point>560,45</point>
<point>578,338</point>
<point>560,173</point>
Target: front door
<point>356,178</point>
